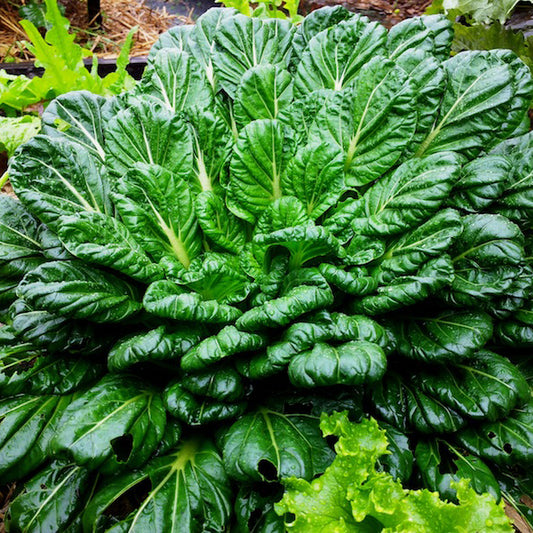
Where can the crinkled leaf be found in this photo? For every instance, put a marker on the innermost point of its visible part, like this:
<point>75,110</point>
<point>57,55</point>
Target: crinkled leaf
<point>168,300</point>
<point>506,442</point>
<point>217,223</point>
<point>73,289</point>
<point>372,121</point>
<point>315,176</point>
<point>165,343</point>
<point>257,164</point>
<point>197,410</point>
<point>408,290</point>
<point>408,196</point>
<point>53,177</point>
<point>27,426</point>
<point>265,91</point>
<point>487,387</point>
<point>78,117</point>
<point>484,101</point>
<point>173,79</point>
<point>244,42</point>
<point>433,34</point>
<point>158,208</point>
<point>146,132</point>
<point>439,470</point>
<point>351,363</point>
<point>101,239</point>
<point>227,342</point>
<point>481,182</point>
<point>333,57</point>
<point>49,500</point>
<point>424,242</point>
<point>446,336</point>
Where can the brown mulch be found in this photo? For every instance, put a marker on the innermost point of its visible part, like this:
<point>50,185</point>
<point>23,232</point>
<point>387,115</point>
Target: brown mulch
<point>6,494</point>
<point>385,11</point>
<point>119,16</point>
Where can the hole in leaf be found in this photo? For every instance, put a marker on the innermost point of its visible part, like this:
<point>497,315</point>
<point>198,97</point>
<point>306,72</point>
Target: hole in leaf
<point>255,516</point>
<point>267,470</point>
<point>289,518</point>
<point>331,440</point>
<point>122,447</point>
<point>507,448</point>
<point>130,500</point>
<point>491,434</point>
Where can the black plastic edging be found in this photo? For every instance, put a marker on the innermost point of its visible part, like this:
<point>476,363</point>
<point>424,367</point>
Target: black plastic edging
<point>105,66</point>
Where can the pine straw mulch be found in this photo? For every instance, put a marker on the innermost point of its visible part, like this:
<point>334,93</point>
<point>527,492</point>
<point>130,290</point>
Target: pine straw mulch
<point>119,16</point>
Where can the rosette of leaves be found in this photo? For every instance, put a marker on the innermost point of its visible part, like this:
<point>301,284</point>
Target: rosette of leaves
<point>276,222</point>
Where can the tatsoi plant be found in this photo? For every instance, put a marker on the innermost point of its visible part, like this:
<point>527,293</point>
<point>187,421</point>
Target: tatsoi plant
<point>277,222</point>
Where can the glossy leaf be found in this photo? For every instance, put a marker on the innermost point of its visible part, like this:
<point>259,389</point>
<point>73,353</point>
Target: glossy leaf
<point>72,289</point>
<point>27,426</point>
<point>53,177</point>
<point>164,343</point>
<point>448,336</point>
<point>146,132</point>
<point>269,445</point>
<point>257,164</point>
<point>480,105</point>
<point>315,176</point>
<point>264,92</point>
<point>243,42</point>
<point>188,491</point>
<point>333,57</point>
<point>408,196</point>
<point>117,422</point>
<point>158,209</point>
<point>506,442</point>
<point>372,121</point>
<point>351,363</point>
<point>51,499</point>
<point>101,239</point>
<point>168,300</point>
<point>485,388</point>
<point>171,71</point>
<point>227,342</point>
<point>77,116</point>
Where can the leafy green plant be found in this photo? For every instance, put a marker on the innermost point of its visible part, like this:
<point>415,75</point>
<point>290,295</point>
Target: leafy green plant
<point>480,11</point>
<point>276,222</point>
<point>64,69</point>
<point>484,28</point>
<point>280,9</point>
<point>352,495</point>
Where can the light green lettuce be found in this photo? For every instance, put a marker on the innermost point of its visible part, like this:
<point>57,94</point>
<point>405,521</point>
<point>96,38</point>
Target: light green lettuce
<point>352,496</point>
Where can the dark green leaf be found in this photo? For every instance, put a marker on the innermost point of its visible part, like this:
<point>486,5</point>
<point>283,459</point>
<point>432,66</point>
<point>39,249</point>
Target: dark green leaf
<point>118,422</point>
<point>188,491</point>
<point>164,343</point>
<point>269,445</point>
<point>227,342</point>
<point>447,336</point>
<point>158,208</point>
<point>168,300</point>
<point>72,289</point>
<point>351,363</point>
